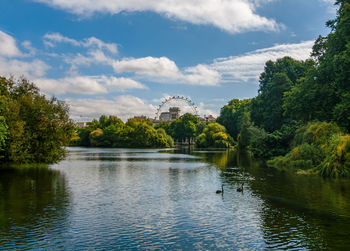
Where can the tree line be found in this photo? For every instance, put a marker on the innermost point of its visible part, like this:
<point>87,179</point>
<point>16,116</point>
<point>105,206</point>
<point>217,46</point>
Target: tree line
<point>302,111</point>
<point>140,132</point>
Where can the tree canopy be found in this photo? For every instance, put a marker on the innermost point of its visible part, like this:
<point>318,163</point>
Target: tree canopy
<point>112,132</point>
<point>32,127</point>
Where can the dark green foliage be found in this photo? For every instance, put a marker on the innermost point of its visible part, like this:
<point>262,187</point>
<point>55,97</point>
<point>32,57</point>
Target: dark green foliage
<point>184,127</point>
<point>243,140</point>
<point>278,78</point>
<point>163,125</point>
<point>36,128</point>
<point>3,134</point>
<point>214,135</point>
<point>292,96</point>
<point>112,132</point>
<point>324,92</point>
<point>231,115</point>
<point>266,145</point>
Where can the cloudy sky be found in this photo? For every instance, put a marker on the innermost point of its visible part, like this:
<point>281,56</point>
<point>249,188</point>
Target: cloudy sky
<point>123,57</point>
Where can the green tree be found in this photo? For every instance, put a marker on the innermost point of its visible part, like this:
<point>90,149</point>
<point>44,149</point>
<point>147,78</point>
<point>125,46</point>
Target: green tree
<point>244,135</point>
<point>324,92</point>
<point>96,137</point>
<point>278,78</point>
<point>184,127</point>
<point>231,115</point>
<point>214,135</point>
<point>37,127</point>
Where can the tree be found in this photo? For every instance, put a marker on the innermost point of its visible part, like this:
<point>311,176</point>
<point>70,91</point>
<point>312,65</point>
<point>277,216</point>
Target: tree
<point>37,127</point>
<point>231,115</point>
<point>96,137</point>
<point>324,92</point>
<point>244,135</point>
<point>184,127</point>
<point>112,132</point>
<point>278,78</point>
<point>214,135</point>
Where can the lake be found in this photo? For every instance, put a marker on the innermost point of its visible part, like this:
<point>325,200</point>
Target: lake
<point>110,199</point>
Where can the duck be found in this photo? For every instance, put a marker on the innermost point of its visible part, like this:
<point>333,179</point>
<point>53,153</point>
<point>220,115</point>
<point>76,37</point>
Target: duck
<point>240,189</point>
<point>222,189</point>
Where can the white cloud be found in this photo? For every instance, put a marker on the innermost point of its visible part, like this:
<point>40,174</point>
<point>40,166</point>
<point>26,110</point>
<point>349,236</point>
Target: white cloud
<point>233,16</point>
<point>78,85</point>
<point>28,46</point>
<point>122,84</point>
<point>95,54</point>
<point>17,68</point>
<point>92,57</point>
<point>51,39</point>
<point>8,46</point>
<point>248,66</point>
<point>148,66</point>
<point>124,107</point>
<point>165,70</point>
<point>88,85</point>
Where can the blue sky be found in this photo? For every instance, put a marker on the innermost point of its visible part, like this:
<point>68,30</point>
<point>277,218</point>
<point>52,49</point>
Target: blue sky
<point>123,57</point>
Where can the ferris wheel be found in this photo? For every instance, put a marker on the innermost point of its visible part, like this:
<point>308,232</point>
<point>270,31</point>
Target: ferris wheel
<point>179,101</point>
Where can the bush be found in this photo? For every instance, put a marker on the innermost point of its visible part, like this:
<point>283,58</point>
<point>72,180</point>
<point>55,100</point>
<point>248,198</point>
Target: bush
<point>319,146</point>
<point>337,161</point>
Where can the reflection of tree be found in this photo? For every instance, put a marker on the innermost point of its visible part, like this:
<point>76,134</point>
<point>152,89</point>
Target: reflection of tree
<point>297,211</point>
<point>33,204</point>
<point>307,210</point>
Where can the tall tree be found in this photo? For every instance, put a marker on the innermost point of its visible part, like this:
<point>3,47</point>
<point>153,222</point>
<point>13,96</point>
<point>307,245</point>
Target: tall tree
<point>278,78</point>
<point>231,115</point>
<point>324,93</point>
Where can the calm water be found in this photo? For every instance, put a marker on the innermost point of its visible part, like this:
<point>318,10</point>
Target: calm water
<point>108,199</point>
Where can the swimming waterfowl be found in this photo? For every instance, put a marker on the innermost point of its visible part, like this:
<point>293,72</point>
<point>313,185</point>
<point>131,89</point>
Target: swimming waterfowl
<point>240,189</point>
<point>222,189</point>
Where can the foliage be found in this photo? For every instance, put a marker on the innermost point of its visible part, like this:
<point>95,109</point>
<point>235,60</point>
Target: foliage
<point>337,161</point>
<point>324,93</point>
<point>163,125</point>
<point>231,115</point>
<point>278,78</point>
<point>319,146</point>
<point>184,127</point>
<point>3,134</point>
<point>112,132</point>
<point>304,156</point>
<point>214,135</point>
<point>316,133</point>
<point>36,128</point>
<point>244,135</point>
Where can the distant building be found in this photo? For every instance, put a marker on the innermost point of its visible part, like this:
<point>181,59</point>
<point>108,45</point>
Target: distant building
<point>208,118</point>
<point>172,114</point>
<point>81,124</point>
<point>164,117</point>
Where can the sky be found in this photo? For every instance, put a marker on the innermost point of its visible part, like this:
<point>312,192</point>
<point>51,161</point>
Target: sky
<point>124,57</point>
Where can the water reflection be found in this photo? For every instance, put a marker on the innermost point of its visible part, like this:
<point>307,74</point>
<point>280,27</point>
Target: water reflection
<point>298,211</point>
<point>33,207</point>
<point>165,199</point>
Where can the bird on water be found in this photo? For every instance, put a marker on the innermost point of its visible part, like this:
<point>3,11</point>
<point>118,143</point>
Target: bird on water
<point>222,189</point>
<point>240,189</point>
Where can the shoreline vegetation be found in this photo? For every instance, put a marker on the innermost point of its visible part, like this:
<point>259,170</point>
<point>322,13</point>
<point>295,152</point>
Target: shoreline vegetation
<point>300,119</point>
